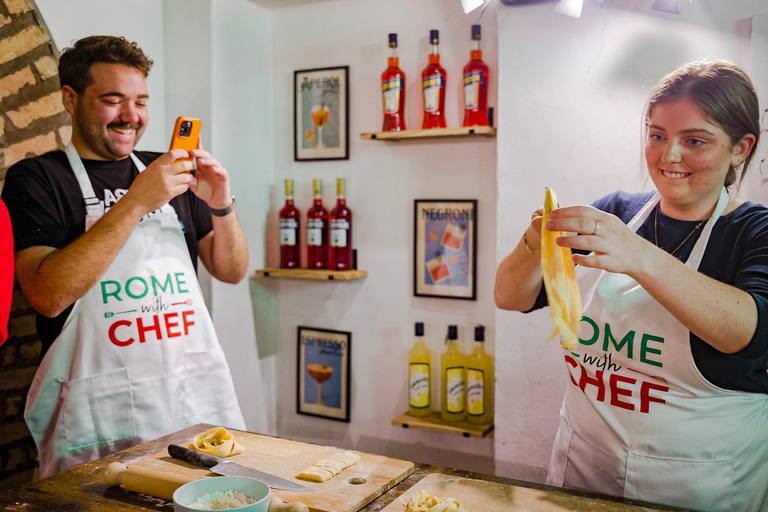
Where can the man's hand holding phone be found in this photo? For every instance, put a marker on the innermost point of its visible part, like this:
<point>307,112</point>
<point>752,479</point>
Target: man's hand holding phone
<point>211,182</point>
<point>165,178</point>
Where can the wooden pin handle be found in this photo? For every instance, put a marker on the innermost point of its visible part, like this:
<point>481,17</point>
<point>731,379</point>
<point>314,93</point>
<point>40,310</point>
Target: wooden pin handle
<point>158,484</point>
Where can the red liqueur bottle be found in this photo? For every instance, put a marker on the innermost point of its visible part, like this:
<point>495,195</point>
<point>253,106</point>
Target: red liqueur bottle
<point>393,91</point>
<point>317,230</point>
<point>476,85</point>
<point>341,231</point>
<point>433,86</point>
<point>289,230</point>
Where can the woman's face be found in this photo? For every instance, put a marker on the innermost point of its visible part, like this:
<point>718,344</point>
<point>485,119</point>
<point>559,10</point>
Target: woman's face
<point>688,157</point>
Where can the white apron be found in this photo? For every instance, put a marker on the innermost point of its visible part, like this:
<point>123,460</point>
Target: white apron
<point>137,357</point>
<point>639,420</point>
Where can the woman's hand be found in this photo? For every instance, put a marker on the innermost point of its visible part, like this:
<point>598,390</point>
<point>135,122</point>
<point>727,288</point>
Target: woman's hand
<point>615,247</point>
<point>533,231</point>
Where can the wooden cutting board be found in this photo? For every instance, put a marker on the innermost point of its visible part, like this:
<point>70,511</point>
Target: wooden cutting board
<point>348,491</point>
<point>480,496</point>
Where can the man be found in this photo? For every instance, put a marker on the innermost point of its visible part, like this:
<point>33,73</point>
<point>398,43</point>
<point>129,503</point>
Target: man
<point>107,241</point>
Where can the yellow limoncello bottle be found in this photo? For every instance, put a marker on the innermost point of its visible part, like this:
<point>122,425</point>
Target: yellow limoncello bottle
<point>419,375</point>
<point>479,382</point>
<point>452,374</point>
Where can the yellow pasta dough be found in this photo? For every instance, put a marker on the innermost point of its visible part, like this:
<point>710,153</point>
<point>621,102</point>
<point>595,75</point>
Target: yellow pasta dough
<point>423,501</point>
<point>560,282</point>
<point>328,467</point>
<point>217,441</point>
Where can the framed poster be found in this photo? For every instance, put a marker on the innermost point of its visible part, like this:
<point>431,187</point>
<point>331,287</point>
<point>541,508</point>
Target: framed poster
<point>445,248</point>
<point>323,366</point>
<point>321,114</point>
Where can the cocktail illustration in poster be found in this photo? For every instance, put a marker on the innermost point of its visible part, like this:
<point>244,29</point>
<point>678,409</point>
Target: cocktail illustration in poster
<point>321,117</point>
<point>445,237</point>
<point>323,373</point>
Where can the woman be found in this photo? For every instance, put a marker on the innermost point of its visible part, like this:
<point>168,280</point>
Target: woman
<point>667,400</point>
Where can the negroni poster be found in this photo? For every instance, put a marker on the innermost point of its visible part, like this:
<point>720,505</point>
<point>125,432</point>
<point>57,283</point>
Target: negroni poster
<point>445,248</point>
<point>321,114</point>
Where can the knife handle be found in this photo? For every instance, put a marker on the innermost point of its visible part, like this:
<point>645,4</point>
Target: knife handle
<point>196,458</point>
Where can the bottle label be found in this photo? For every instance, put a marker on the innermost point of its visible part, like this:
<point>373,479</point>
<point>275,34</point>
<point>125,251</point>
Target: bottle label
<point>472,83</point>
<point>315,232</point>
<point>288,229</point>
<point>419,379</point>
<point>454,389</point>
<point>432,87</point>
<point>475,392</point>
<point>390,90</point>
<point>339,228</point>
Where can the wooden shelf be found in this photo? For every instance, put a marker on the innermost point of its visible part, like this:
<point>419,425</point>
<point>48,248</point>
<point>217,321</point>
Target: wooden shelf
<point>435,424</point>
<point>306,273</point>
<point>470,131</point>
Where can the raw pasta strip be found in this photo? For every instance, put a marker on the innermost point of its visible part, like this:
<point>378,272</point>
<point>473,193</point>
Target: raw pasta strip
<point>217,441</point>
<point>329,467</point>
<point>560,282</point>
<point>422,501</point>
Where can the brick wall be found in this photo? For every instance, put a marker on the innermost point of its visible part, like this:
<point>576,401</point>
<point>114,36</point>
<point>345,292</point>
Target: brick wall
<point>32,122</point>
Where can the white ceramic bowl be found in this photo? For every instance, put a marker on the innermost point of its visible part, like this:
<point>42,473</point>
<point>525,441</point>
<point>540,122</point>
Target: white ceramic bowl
<point>188,493</point>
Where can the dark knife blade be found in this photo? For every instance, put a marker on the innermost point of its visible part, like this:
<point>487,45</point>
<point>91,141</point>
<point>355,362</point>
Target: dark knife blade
<point>225,467</point>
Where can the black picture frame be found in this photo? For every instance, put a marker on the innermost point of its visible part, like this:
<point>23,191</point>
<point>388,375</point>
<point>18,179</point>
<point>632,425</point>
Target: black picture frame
<point>445,248</point>
<point>323,359</point>
<point>316,91</point>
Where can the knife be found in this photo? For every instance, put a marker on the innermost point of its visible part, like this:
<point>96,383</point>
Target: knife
<point>228,468</point>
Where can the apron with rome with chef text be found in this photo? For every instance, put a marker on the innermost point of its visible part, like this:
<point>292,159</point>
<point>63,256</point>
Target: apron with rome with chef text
<point>639,420</point>
<point>137,357</point>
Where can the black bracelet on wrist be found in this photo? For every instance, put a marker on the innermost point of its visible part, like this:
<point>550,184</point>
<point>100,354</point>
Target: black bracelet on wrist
<point>224,211</point>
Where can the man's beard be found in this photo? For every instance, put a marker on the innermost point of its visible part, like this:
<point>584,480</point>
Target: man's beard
<point>98,140</point>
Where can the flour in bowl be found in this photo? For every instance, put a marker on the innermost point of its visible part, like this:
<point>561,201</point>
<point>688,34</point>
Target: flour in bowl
<point>219,500</point>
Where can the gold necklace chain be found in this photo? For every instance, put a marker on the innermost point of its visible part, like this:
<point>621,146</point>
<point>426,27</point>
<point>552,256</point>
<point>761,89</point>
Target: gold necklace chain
<point>656,231</point>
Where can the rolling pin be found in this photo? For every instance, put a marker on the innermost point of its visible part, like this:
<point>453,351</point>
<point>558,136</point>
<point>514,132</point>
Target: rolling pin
<point>163,485</point>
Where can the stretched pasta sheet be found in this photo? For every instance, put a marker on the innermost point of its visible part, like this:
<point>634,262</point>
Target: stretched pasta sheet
<point>560,282</point>
<point>218,441</point>
<point>422,501</point>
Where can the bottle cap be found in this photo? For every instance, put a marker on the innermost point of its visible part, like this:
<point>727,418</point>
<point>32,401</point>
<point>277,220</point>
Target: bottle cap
<point>419,328</point>
<point>434,36</point>
<point>479,333</point>
<point>289,188</point>
<point>475,32</point>
<point>341,185</point>
<point>317,187</point>
<point>452,332</point>
<point>393,40</point>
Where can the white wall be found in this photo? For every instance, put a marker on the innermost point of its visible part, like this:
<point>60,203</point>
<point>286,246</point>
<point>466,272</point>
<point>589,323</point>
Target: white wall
<point>572,95</point>
<point>383,179</point>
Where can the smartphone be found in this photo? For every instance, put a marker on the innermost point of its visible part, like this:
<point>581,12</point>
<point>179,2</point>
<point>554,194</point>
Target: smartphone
<point>185,135</point>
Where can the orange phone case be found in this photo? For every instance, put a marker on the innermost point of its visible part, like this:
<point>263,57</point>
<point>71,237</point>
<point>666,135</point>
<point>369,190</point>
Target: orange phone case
<point>189,142</point>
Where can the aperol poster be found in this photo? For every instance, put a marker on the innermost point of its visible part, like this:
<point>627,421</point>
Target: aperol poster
<point>323,373</point>
<point>445,238</point>
<point>321,117</point>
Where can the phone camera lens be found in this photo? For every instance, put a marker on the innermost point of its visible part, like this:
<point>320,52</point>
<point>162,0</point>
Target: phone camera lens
<point>186,128</point>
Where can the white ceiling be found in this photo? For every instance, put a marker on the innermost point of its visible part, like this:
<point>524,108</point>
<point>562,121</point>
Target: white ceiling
<point>282,4</point>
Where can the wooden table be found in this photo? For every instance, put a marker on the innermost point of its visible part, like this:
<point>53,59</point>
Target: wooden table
<point>81,488</point>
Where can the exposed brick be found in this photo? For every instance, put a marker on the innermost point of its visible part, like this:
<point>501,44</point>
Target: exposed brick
<point>11,84</point>
<point>35,146</point>
<point>19,301</point>
<point>46,106</point>
<point>18,378</point>
<point>8,351</point>
<point>13,431</point>
<point>47,67</point>
<point>20,43</point>
<point>31,351</point>
<point>65,134</point>
<point>14,405</point>
<point>2,126</point>
<point>4,20</point>
<point>18,458</point>
<point>22,326</point>
<point>17,6</point>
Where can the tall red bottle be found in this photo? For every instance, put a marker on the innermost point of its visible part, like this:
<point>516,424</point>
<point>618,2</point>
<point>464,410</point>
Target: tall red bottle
<point>317,230</point>
<point>341,231</point>
<point>476,85</point>
<point>289,231</point>
<point>433,86</point>
<point>393,91</point>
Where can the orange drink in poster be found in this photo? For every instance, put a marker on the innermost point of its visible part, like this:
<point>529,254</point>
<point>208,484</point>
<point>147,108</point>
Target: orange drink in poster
<point>453,237</point>
<point>438,269</point>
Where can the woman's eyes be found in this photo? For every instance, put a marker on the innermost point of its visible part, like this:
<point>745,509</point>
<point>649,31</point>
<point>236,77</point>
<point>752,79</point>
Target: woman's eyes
<point>693,142</point>
<point>696,142</point>
<point>655,137</point>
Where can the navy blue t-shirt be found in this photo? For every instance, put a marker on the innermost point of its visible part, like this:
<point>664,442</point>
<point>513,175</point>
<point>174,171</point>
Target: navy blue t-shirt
<point>737,254</point>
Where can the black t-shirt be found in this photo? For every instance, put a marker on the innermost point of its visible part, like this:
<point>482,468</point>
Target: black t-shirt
<point>46,208</point>
<point>737,254</point>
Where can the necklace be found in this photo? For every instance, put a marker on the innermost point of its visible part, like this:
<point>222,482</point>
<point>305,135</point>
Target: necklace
<point>656,231</point>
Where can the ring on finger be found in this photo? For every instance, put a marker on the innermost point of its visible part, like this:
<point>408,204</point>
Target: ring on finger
<point>597,226</point>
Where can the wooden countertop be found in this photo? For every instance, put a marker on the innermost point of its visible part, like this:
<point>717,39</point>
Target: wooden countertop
<point>82,489</point>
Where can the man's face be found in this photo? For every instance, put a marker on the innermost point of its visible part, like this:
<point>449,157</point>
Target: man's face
<point>110,116</point>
